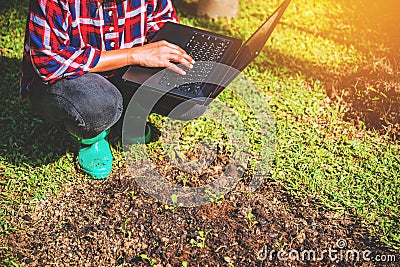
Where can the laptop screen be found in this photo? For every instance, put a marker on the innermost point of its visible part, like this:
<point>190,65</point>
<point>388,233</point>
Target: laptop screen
<point>256,42</point>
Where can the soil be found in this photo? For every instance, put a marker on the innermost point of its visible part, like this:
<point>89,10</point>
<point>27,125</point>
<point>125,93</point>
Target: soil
<point>114,223</point>
<point>372,95</point>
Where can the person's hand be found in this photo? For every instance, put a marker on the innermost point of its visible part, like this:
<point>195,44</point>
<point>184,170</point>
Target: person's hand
<point>161,54</point>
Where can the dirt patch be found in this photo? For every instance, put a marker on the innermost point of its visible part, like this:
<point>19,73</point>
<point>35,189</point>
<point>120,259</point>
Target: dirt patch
<point>113,222</point>
<point>372,95</point>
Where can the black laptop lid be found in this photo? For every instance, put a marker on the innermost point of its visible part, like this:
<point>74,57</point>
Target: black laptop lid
<point>256,42</point>
<point>180,34</point>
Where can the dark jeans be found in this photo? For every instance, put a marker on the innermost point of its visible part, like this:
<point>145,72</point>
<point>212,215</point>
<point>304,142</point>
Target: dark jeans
<point>90,104</point>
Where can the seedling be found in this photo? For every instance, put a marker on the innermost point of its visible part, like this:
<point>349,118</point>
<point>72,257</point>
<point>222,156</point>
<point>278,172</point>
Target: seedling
<point>174,199</point>
<point>151,261</point>
<point>123,229</point>
<point>280,245</point>
<point>250,220</point>
<point>132,195</point>
<point>214,198</point>
<point>200,239</point>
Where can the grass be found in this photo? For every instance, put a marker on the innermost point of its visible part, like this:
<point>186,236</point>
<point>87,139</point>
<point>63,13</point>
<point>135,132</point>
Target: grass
<point>35,160</point>
<point>346,166</point>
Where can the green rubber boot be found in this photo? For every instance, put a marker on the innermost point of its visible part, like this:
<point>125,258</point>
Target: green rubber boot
<point>95,156</point>
<point>131,139</point>
<point>133,121</point>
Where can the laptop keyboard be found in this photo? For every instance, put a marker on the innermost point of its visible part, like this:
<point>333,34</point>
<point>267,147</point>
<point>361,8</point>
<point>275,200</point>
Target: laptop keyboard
<point>201,47</point>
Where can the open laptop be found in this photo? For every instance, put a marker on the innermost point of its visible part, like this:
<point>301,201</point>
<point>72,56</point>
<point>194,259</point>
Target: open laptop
<point>203,46</point>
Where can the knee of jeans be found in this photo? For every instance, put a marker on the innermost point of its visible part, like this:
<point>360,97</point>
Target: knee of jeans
<point>85,106</point>
<point>94,120</point>
<point>95,109</point>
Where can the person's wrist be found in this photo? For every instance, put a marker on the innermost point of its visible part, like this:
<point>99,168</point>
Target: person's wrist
<point>132,56</point>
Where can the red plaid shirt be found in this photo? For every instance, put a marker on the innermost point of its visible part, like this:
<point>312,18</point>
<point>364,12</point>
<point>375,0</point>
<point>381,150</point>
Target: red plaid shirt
<point>64,38</point>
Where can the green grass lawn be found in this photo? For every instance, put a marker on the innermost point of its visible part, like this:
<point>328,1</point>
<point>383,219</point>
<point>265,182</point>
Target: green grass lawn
<point>347,166</point>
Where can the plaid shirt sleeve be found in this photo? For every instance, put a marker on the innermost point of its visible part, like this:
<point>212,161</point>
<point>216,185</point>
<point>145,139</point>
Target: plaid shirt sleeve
<point>162,11</point>
<point>64,38</point>
<point>51,54</point>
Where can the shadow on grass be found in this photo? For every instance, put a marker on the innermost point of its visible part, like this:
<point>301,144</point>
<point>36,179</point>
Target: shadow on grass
<point>186,8</point>
<point>25,139</point>
<point>371,95</point>
<point>19,5</point>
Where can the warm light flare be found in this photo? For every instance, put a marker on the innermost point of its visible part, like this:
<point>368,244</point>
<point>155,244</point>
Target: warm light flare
<point>382,17</point>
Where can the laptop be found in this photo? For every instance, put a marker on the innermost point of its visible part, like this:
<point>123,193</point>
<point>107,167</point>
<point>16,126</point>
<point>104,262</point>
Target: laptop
<point>221,58</point>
